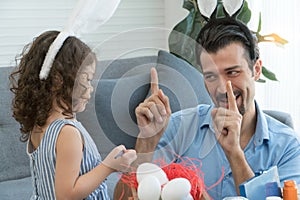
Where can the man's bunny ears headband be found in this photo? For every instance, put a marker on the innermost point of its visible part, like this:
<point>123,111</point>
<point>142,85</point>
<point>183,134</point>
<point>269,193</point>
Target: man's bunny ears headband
<point>231,8</point>
<point>86,17</point>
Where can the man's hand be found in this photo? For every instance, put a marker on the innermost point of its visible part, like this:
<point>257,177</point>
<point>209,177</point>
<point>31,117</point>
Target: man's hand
<point>227,124</point>
<point>152,116</point>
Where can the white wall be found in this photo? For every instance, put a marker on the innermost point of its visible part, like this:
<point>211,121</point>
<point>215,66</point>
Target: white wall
<point>282,18</point>
<point>174,12</point>
<point>21,21</point>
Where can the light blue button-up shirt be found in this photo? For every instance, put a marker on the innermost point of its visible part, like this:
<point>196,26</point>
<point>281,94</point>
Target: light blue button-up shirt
<point>190,134</point>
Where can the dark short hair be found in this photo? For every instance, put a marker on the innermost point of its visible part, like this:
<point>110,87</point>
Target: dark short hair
<point>220,32</point>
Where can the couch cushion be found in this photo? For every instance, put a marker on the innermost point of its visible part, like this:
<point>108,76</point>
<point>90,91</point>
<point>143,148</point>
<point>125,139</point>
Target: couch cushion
<point>115,69</point>
<point>181,82</point>
<point>14,161</point>
<point>22,188</point>
<point>16,189</point>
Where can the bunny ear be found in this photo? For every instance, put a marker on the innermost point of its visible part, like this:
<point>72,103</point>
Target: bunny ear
<point>232,7</point>
<point>207,7</point>
<point>52,51</point>
<point>88,15</point>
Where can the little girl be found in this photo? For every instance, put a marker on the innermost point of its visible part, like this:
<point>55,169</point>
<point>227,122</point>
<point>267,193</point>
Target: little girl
<point>65,163</point>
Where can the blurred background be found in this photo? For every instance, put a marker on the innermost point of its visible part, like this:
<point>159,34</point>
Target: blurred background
<point>21,21</point>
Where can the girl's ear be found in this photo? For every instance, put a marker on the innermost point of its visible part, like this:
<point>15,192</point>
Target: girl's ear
<point>57,82</point>
<point>257,69</point>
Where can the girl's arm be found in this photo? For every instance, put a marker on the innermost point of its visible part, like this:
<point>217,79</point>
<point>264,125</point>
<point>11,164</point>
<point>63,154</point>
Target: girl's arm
<point>69,151</point>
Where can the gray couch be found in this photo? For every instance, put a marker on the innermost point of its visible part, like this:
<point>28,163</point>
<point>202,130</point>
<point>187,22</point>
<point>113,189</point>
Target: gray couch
<point>120,86</point>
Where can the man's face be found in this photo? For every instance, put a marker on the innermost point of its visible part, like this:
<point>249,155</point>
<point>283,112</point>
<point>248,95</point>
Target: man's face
<point>229,63</point>
<point>83,88</point>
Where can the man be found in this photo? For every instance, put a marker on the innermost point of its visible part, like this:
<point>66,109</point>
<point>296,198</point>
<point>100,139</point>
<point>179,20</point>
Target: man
<point>233,139</point>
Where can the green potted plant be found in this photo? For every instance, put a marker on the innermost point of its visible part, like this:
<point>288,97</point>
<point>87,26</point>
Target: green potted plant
<point>182,37</point>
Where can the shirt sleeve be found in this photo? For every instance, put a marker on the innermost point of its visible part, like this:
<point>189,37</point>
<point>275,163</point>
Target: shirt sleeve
<point>289,164</point>
<point>179,135</point>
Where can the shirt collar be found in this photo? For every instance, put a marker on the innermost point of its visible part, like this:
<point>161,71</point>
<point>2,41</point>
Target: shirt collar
<point>261,131</point>
<point>206,113</point>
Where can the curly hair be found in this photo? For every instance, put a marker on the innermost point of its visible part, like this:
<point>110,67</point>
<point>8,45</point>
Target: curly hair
<point>33,98</point>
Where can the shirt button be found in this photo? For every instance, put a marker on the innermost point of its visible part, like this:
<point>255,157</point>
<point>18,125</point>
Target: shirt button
<point>227,176</point>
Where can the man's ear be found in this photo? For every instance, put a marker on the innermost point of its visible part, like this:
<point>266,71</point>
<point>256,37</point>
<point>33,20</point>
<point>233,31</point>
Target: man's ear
<point>257,69</point>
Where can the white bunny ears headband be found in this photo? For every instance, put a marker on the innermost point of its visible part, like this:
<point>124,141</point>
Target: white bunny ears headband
<point>86,17</point>
<point>231,8</point>
<point>208,8</point>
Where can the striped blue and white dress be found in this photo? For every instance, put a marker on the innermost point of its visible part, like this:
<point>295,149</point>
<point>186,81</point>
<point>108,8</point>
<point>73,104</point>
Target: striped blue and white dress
<point>43,159</point>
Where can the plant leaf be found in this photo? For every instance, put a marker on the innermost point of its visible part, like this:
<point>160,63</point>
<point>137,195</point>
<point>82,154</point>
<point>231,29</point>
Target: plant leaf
<point>220,12</point>
<point>268,74</point>
<point>261,80</point>
<point>245,13</point>
<point>259,23</point>
<point>182,38</point>
<point>272,38</point>
<point>188,4</point>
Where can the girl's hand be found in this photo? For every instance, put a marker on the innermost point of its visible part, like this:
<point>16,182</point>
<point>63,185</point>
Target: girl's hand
<point>120,161</point>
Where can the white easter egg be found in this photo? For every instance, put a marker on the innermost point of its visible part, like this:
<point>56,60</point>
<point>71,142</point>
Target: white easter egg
<point>146,169</point>
<point>189,197</point>
<point>176,189</point>
<point>149,188</point>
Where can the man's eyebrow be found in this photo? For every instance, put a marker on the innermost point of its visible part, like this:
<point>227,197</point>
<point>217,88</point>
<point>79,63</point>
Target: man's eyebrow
<point>232,68</point>
<point>209,72</point>
<point>226,70</point>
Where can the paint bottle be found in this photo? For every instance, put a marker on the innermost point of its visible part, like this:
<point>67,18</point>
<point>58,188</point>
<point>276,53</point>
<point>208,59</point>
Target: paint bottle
<point>290,190</point>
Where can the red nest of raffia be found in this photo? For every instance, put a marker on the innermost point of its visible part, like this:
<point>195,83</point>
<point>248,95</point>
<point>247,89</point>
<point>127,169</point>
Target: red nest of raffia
<point>184,169</point>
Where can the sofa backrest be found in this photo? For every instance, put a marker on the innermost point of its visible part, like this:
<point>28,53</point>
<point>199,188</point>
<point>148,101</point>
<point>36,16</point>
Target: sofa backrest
<point>14,161</point>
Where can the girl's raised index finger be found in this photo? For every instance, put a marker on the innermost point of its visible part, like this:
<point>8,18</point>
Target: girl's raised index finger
<point>154,81</point>
<point>231,98</point>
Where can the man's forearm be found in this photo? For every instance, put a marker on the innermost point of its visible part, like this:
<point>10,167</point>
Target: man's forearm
<point>241,171</point>
<point>145,147</point>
